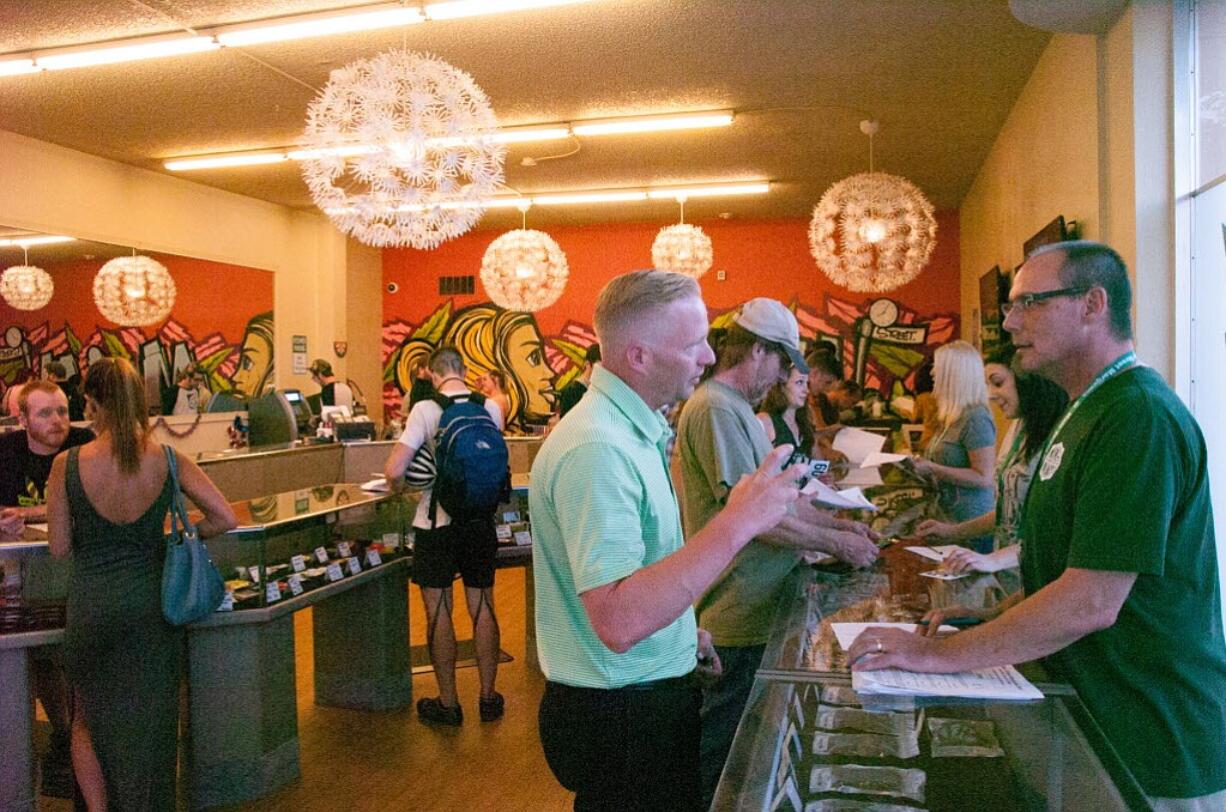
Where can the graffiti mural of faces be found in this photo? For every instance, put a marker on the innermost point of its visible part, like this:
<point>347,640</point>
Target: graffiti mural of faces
<point>489,338</point>
<point>255,362</point>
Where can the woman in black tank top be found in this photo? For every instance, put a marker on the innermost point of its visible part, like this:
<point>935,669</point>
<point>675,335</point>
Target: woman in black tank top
<point>784,416</point>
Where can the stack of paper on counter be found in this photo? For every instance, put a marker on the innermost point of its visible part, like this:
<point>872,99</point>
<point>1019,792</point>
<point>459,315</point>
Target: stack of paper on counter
<point>1001,682</point>
<point>857,444</point>
<point>847,499</point>
<point>862,478</point>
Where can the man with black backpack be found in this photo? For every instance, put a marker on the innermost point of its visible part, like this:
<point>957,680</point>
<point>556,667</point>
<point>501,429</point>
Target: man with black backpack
<point>459,431</point>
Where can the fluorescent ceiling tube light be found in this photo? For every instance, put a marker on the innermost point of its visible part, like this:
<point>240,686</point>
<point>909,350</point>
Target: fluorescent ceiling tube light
<point>13,67</point>
<point>341,21</point>
<point>216,161</point>
<point>41,239</point>
<point>472,8</point>
<point>645,124</point>
<point>516,135</point>
<point>711,190</point>
<point>128,51</point>
<point>587,197</point>
<point>347,151</point>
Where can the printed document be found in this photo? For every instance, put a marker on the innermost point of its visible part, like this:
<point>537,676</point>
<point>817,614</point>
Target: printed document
<point>1002,682</point>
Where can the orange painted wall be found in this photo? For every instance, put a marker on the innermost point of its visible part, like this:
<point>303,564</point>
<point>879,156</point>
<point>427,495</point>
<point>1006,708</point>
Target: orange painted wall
<point>214,303</point>
<point>762,258</point>
<point>211,297</point>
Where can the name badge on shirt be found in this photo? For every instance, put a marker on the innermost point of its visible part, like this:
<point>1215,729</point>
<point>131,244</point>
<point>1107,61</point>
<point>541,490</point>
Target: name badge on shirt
<point>1051,462</point>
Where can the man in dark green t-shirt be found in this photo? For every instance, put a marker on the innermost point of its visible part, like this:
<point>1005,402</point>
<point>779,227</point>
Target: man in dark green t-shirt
<point>1119,562</point>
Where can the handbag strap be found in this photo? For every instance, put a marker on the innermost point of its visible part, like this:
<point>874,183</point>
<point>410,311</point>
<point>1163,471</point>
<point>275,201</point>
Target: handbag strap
<point>179,523</point>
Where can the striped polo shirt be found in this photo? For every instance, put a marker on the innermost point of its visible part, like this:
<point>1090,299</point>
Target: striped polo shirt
<point>603,507</point>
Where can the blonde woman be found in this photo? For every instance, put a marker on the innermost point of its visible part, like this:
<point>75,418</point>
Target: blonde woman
<point>961,457</point>
<point>106,506</point>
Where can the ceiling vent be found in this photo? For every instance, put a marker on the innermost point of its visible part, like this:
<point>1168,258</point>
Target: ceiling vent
<point>456,285</point>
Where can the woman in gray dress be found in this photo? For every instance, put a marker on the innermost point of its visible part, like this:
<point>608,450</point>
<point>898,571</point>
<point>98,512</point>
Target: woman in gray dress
<point>106,507</point>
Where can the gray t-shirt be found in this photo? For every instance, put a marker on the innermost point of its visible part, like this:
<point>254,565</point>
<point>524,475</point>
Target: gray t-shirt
<point>973,430</point>
<point>719,440</point>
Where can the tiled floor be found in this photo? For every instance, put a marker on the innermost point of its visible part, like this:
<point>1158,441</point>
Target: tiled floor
<point>356,761</point>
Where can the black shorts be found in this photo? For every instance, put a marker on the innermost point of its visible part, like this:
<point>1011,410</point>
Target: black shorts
<point>465,547</point>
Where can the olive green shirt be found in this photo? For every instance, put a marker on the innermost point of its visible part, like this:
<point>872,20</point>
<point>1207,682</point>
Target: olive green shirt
<point>720,440</point>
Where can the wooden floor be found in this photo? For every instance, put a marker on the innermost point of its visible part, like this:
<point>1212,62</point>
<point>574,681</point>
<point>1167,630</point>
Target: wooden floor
<point>355,761</point>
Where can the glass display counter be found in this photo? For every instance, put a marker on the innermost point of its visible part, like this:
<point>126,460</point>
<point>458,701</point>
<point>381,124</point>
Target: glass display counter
<point>807,744</point>
<point>336,549</point>
<point>288,544</point>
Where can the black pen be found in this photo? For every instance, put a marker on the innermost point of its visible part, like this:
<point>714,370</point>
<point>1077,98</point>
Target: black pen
<point>956,621</point>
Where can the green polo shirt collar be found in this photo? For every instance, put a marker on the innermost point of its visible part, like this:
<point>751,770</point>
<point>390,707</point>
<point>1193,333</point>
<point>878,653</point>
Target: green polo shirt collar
<point>647,421</point>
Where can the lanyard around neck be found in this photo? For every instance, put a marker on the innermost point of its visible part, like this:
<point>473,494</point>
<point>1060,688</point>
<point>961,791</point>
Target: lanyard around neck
<point>1121,364</point>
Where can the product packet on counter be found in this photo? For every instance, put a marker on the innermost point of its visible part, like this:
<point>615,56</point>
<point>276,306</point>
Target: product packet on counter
<point>856,779</point>
<point>866,745</point>
<point>839,695</point>
<point>964,737</point>
<point>865,721</point>
<point>853,805</point>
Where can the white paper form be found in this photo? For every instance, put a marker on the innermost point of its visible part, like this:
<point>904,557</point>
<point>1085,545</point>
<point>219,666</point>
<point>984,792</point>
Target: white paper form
<point>881,458</point>
<point>1002,682</point>
<point>846,633</point>
<point>936,553</point>
<point>848,498</point>
<point>862,478</point>
<point>857,444</point>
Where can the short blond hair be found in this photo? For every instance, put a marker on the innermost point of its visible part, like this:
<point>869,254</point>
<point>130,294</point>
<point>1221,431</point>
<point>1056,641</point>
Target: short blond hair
<point>959,382</point>
<point>626,299</point>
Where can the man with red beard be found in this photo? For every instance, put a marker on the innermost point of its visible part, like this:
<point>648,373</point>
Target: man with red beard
<point>25,456</point>
<point>25,462</point>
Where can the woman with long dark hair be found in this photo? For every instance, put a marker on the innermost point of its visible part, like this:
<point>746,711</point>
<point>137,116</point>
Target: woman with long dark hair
<point>784,415</point>
<point>1033,404</point>
<point>106,506</point>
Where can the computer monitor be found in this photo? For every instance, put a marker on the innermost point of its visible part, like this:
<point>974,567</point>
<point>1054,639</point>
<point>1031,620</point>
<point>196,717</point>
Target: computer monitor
<point>226,402</point>
<point>298,405</point>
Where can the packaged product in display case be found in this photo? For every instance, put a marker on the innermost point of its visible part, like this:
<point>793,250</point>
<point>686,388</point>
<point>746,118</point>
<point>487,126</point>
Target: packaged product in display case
<point>1002,756</point>
<point>290,543</point>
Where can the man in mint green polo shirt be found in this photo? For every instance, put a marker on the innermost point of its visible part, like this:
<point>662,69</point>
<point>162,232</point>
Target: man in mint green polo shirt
<point>1119,564</point>
<point>720,440</point>
<point>615,584</point>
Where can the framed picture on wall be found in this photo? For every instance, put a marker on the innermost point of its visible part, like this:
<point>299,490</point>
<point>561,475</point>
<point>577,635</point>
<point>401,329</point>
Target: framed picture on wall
<point>1055,231</point>
<point>991,293</point>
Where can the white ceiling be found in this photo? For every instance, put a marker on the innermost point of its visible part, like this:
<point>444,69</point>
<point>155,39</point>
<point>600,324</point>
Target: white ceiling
<point>940,75</point>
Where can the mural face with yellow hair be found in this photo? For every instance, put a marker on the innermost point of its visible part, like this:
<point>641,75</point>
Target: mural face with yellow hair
<point>489,338</point>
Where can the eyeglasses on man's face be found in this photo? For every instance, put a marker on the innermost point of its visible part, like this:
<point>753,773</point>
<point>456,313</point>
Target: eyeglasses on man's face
<point>1027,302</point>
